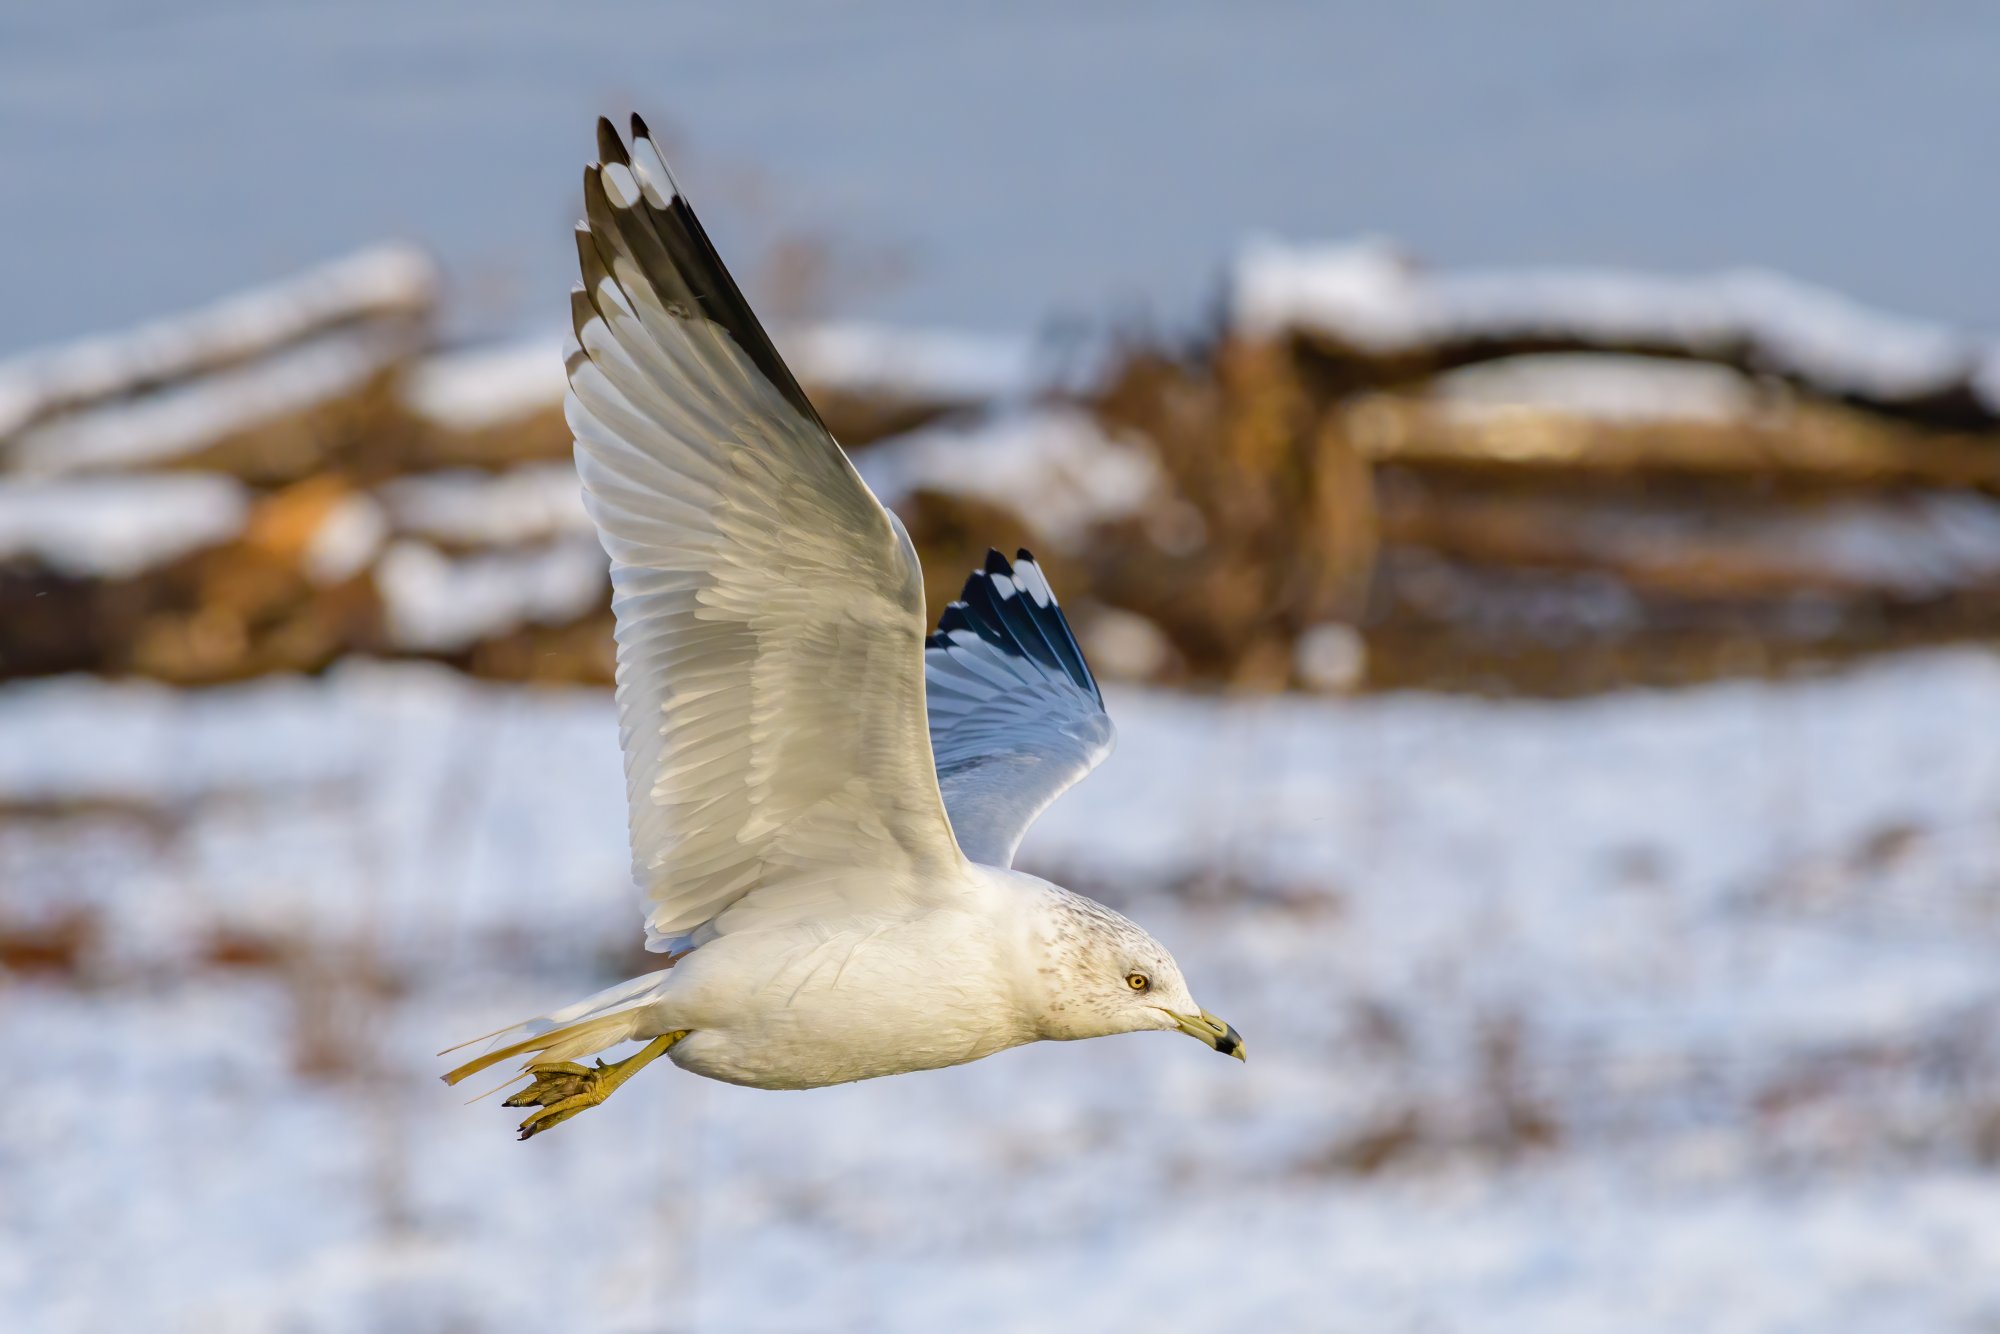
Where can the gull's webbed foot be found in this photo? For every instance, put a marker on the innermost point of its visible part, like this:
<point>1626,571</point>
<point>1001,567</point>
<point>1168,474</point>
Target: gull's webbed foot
<point>562,1089</point>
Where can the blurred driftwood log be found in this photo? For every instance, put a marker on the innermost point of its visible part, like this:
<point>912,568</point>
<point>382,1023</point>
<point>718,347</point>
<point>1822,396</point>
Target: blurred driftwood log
<point>1366,315</point>
<point>1555,482</point>
<point>270,385</point>
<point>1366,475</point>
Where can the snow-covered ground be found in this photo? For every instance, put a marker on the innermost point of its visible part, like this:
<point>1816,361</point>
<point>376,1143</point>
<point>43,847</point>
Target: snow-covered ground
<point>1653,1012</point>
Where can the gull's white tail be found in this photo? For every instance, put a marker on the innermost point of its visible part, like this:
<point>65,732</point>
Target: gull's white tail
<point>604,1020</point>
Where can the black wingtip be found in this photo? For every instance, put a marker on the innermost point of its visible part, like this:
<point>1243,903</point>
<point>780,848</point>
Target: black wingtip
<point>610,148</point>
<point>639,130</point>
<point>954,618</point>
<point>1024,619</point>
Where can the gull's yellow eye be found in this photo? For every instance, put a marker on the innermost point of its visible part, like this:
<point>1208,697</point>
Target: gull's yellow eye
<point>1137,981</point>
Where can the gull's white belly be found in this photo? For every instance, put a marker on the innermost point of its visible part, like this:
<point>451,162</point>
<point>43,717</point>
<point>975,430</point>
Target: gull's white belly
<point>780,1009</point>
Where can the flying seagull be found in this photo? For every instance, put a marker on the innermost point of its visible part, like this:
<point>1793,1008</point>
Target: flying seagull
<point>824,803</point>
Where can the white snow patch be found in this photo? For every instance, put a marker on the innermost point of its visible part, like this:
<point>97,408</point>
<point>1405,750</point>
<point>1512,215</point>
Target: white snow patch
<point>1331,657</point>
<point>185,417</point>
<point>1053,466</point>
<point>473,388</point>
<point>395,280</point>
<point>1918,545</point>
<point>1123,645</point>
<point>930,364</point>
<point>477,387</point>
<point>114,527</point>
<point>440,603</point>
<point>1602,386</point>
<point>465,507</point>
<point>1372,294</point>
<point>347,539</point>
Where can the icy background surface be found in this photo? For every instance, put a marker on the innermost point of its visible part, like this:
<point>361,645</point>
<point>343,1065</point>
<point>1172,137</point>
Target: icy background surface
<point>1656,1012</point>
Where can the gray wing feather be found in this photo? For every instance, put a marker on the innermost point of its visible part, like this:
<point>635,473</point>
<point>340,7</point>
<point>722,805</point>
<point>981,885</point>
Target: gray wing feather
<point>1016,717</point>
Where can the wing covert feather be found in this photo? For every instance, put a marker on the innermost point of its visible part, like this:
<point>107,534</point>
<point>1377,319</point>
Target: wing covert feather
<point>1016,717</point>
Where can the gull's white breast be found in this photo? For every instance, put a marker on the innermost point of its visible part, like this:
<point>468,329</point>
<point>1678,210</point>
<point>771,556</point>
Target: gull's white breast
<point>803,1006</point>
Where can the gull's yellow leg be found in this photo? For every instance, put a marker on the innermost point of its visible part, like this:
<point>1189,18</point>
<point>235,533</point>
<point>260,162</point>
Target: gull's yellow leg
<point>564,1088</point>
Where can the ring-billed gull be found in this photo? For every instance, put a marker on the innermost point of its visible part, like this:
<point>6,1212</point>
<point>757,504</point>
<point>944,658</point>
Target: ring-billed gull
<point>824,803</point>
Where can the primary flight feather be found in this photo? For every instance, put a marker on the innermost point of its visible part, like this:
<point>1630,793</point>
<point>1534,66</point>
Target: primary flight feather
<point>825,844</point>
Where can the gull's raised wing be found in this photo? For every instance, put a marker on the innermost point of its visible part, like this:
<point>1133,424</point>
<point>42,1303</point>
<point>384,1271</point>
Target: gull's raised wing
<point>770,611</point>
<point>1016,717</point>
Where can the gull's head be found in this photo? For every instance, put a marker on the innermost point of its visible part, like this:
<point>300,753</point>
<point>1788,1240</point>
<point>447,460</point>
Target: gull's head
<point>1099,973</point>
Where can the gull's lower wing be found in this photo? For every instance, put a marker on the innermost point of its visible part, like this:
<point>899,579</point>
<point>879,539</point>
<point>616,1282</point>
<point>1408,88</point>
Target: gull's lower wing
<point>1016,717</point>
<point>770,611</point>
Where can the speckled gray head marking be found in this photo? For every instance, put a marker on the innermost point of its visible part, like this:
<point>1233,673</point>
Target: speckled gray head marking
<point>1101,973</point>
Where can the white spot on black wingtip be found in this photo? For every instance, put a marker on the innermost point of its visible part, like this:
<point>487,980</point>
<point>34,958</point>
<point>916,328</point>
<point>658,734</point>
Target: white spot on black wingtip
<point>643,134</point>
<point>1031,627</point>
<point>1029,576</point>
<point>655,176</point>
<point>620,185</point>
<point>660,196</point>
